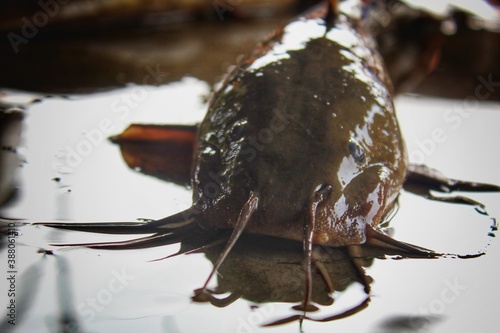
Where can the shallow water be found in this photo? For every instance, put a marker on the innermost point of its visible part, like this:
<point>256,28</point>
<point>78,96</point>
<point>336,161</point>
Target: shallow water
<point>72,173</point>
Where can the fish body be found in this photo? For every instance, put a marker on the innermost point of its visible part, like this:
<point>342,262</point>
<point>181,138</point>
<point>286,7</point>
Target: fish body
<point>307,121</point>
<point>300,142</point>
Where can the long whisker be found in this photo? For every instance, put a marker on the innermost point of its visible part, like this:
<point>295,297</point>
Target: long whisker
<point>245,214</point>
<point>160,238</point>
<point>197,249</point>
<point>308,244</point>
<point>345,314</point>
<point>377,238</point>
<point>136,243</point>
<point>349,312</point>
<point>323,272</point>
<point>176,221</point>
<point>355,255</point>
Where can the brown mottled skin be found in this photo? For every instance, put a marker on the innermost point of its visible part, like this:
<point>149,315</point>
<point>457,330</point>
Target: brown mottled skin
<point>294,131</point>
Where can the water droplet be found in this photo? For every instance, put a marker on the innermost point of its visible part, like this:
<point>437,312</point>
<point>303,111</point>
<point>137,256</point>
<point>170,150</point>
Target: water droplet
<point>334,115</point>
<point>481,210</point>
<point>65,189</point>
<point>494,225</point>
<point>327,103</point>
<point>259,74</point>
<point>315,96</point>
<point>363,98</point>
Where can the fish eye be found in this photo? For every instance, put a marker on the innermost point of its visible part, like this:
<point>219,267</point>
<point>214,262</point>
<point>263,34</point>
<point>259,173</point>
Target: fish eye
<point>357,152</point>
<point>236,131</point>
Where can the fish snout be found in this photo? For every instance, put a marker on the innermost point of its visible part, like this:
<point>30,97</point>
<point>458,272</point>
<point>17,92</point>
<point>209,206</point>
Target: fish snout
<point>341,219</point>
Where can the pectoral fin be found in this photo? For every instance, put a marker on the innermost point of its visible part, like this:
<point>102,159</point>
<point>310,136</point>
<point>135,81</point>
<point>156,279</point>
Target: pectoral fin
<point>422,180</point>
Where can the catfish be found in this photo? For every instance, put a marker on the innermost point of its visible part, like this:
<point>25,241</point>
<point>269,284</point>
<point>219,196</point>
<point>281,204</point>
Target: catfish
<point>300,142</point>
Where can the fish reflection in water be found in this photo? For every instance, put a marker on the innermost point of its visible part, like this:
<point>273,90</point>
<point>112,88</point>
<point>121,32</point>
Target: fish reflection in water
<point>266,270</point>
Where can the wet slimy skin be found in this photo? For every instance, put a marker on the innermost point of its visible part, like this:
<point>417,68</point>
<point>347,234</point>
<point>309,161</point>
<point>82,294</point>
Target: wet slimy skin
<point>301,142</point>
<point>308,126</point>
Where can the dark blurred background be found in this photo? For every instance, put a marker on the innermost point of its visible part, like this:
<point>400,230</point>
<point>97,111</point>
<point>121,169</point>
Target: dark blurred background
<point>83,46</point>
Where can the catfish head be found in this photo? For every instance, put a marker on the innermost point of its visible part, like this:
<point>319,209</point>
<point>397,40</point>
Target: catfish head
<point>307,127</point>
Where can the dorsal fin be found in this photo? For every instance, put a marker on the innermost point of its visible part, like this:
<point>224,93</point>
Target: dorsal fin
<point>163,151</point>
